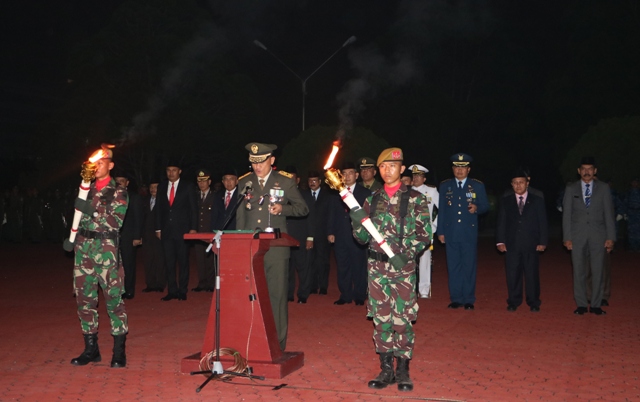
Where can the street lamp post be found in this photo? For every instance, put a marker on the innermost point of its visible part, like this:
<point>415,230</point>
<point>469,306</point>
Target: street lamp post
<point>304,81</point>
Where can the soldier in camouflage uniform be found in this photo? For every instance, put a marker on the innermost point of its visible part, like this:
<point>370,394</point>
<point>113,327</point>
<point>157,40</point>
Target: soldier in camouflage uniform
<point>97,263</point>
<point>392,282</point>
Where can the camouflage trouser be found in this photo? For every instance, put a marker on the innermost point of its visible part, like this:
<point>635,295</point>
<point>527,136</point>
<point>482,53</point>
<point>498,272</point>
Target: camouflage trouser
<point>393,306</point>
<point>95,268</point>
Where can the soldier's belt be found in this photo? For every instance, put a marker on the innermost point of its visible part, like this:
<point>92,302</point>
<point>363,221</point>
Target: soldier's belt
<point>378,256</point>
<point>90,234</point>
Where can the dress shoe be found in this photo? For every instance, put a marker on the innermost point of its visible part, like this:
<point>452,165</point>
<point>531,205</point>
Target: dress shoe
<point>302,300</point>
<point>340,302</point>
<point>147,290</point>
<point>604,303</point>
<point>290,299</point>
<point>208,290</point>
<point>454,305</point>
<point>182,296</point>
<point>597,311</point>
<point>359,302</point>
<point>322,291</point>
<point>535,309</point>
<point>127,296</point>
<point>159,290</point>
<point>313,291</point>
<point>580,310</point>
<point>469,306</point>
<point>198,289</point>
<point>424,296</point>
<point>169,296</point>
<point>512,307</point>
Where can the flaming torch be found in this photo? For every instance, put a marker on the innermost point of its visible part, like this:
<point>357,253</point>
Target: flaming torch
<point>335,181</point>
<point>88,173</point>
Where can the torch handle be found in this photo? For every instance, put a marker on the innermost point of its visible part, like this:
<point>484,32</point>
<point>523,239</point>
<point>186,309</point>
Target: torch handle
<point>351,202</point>
<point>82,194</point>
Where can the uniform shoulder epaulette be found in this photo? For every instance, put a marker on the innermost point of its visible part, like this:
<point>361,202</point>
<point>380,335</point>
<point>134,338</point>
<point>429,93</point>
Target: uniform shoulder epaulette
<point>285,174</point>
<point>477,180</point>
<point>244,175</point>
<point>445,180</point>
<point>429,185</point>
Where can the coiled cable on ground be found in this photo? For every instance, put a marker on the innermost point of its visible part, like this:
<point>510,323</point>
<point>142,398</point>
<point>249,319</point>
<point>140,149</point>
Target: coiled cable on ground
<point>240,363</point>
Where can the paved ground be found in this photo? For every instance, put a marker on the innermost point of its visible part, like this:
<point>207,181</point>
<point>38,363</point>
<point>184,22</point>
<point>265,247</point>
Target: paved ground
<point>484,355</point>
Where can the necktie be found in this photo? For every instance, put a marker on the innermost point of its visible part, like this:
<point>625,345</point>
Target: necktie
<point>261,182</point>
<point>172,195</point>
<point>587,195</point>
<point>521,205</point>
<point>460,185</point>
<point>314,195</point>
<point>202,196</point>
<point>153,203</point>
<point>227,199</point>
<point>349,188</point>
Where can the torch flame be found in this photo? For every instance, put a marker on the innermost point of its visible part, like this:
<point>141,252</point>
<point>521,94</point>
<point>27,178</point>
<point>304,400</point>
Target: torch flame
<point>334,152</point>
<point>99,154</point>
<point>103,152</point>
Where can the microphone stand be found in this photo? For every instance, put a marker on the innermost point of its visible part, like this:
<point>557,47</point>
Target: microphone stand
<point>217,370</point>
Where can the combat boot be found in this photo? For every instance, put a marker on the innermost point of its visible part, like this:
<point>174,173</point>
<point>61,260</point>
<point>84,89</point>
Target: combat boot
<point>386,376</point>
<point>119,358</point>
<point>91,351</point>
<point>402,375</point>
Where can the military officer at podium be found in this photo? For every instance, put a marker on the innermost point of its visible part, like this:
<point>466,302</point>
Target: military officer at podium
<point>272,197</point>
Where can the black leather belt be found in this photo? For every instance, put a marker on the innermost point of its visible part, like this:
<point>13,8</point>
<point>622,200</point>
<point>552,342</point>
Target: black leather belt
<point>378,256</point>
<point>90,234</point>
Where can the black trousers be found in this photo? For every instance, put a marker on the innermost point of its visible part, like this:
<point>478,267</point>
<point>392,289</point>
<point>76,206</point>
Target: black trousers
<point>319,264</point>
<point>128,254</point>
<point>154,269</point>
<point>176,250</point>
<point>519,265</point>
<point>206,266</point>
<point>351,261</point>
<point>299,264</point>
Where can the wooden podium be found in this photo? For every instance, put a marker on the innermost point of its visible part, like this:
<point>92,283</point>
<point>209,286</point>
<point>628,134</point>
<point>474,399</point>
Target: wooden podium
<point>246,317</point>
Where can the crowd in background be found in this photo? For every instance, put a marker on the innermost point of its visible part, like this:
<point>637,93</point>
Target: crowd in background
<point>31,216</point>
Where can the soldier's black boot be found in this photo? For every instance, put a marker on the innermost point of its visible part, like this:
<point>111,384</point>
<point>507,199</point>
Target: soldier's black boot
<point>91,351</point>
<point>386,376</point>
<point>402,375</point>
<point>119,358</point>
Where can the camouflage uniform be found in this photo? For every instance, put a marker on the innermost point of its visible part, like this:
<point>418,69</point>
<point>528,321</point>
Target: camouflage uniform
<point>392,297</point>
<point>96,262</point>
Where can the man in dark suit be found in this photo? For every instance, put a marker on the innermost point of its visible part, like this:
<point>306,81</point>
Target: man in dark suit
<point>204,260</point>
<point>509,192</point>
<point>224,202</point>
<point>318,242</point>
<point>273,198</point>
<point>589,232</point>
<point>351,257</point>
<point>154,269</point>
<point>462,199</point>
<point>299,228</point>
<point>177,214</point>
<point>522,233</point>
<point>130,236</point>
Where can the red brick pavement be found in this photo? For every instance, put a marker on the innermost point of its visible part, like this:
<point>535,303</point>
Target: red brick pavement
<point>484,355</point>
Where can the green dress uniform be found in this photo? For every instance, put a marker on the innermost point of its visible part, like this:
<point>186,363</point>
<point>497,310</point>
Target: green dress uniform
<point>252,215</point>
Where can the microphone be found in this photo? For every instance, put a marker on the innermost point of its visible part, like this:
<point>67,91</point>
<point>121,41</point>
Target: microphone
<point>246,188</point>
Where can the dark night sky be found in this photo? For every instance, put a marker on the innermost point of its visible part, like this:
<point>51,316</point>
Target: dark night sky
<point>527,48</point>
